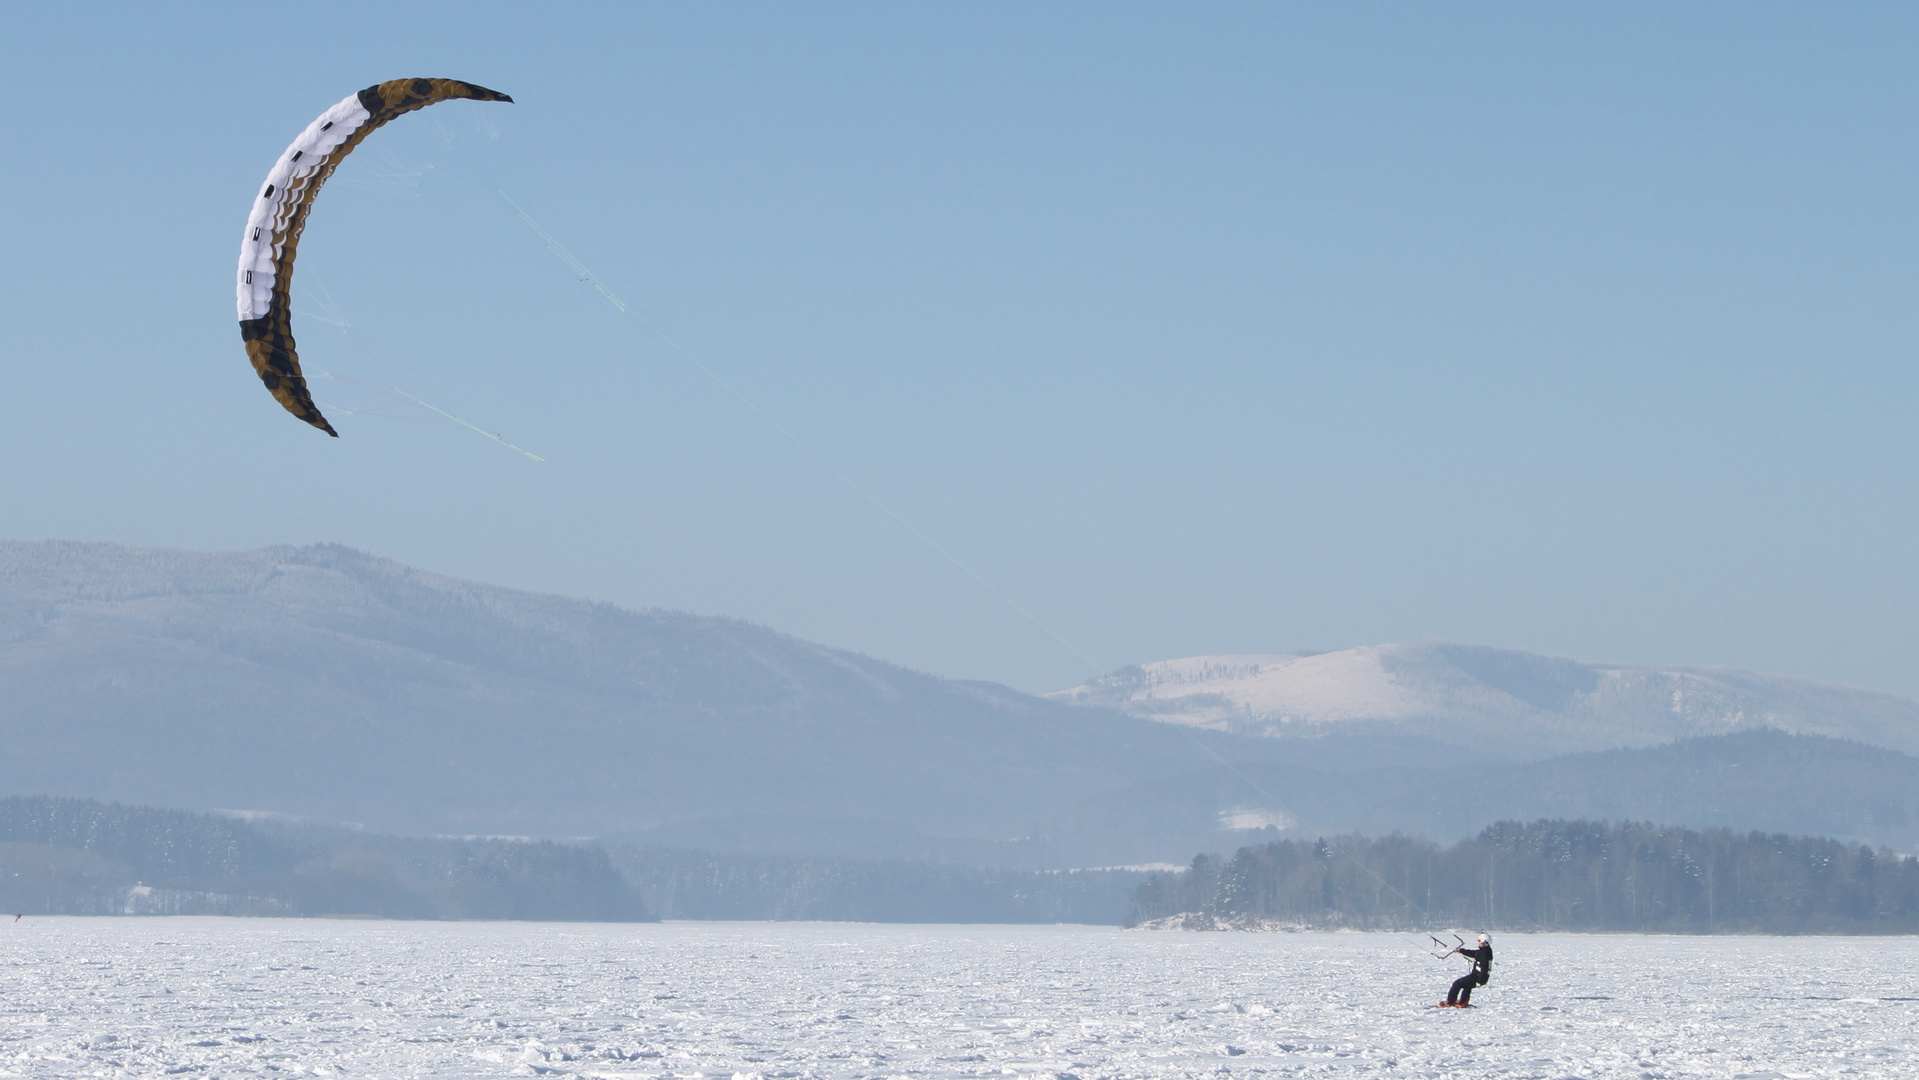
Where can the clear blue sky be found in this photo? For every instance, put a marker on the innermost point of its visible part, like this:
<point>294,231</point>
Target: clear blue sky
<point>1192,328</point>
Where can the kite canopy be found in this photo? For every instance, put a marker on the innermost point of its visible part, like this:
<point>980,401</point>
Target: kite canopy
<point>272,237</point>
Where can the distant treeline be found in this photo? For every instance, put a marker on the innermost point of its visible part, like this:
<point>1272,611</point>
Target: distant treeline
<point>1553,875</point>
<point>81,857</point>
<point>78,856</point>
<point>700,885</point>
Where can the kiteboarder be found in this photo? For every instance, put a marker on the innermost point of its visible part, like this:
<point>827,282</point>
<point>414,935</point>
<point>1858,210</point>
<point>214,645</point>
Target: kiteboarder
<point>1461,995</point>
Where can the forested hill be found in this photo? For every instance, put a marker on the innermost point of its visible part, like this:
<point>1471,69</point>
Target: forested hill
<point>82,857</point>
<point>1550,875</point>
<point>333,685</point>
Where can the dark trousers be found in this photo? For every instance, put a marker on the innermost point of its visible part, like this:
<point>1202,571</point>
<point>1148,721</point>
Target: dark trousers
<point>1462,991</point>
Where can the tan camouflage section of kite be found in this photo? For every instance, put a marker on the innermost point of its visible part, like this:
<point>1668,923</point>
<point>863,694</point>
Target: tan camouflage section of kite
<point>279,216</point>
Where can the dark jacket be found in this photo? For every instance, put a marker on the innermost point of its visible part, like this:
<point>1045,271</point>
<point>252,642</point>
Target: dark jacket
<point>1482,959</point>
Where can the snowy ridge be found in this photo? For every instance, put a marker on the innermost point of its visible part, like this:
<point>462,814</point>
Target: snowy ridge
<point>1502,702</point>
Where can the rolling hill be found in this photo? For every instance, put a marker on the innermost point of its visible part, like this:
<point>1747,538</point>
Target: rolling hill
<point>324,683</point>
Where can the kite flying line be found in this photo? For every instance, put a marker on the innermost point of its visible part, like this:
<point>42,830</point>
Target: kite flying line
<point>494,435</point>
<point>378,354</point>
<point>381,358</point>
<point>270,245</point>
<point>588,277</point>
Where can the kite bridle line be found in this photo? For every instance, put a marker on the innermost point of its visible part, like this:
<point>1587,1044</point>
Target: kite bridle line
<point>587,276</point>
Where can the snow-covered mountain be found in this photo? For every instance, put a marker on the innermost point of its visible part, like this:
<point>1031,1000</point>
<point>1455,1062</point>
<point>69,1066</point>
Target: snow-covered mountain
<point>1499,702</point>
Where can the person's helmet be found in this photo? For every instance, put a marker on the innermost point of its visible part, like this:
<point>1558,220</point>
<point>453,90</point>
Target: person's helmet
<point>1484,940</point>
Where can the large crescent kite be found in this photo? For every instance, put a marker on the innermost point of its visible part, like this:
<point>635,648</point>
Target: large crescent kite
<point>280,214</point>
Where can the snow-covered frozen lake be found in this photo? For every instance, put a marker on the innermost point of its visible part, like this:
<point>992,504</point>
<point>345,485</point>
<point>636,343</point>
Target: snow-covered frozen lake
<point>230,997</point>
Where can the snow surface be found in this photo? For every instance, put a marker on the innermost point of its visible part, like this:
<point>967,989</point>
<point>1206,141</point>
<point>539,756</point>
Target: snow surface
<point>218,997</point>
<point>1328,688</point>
